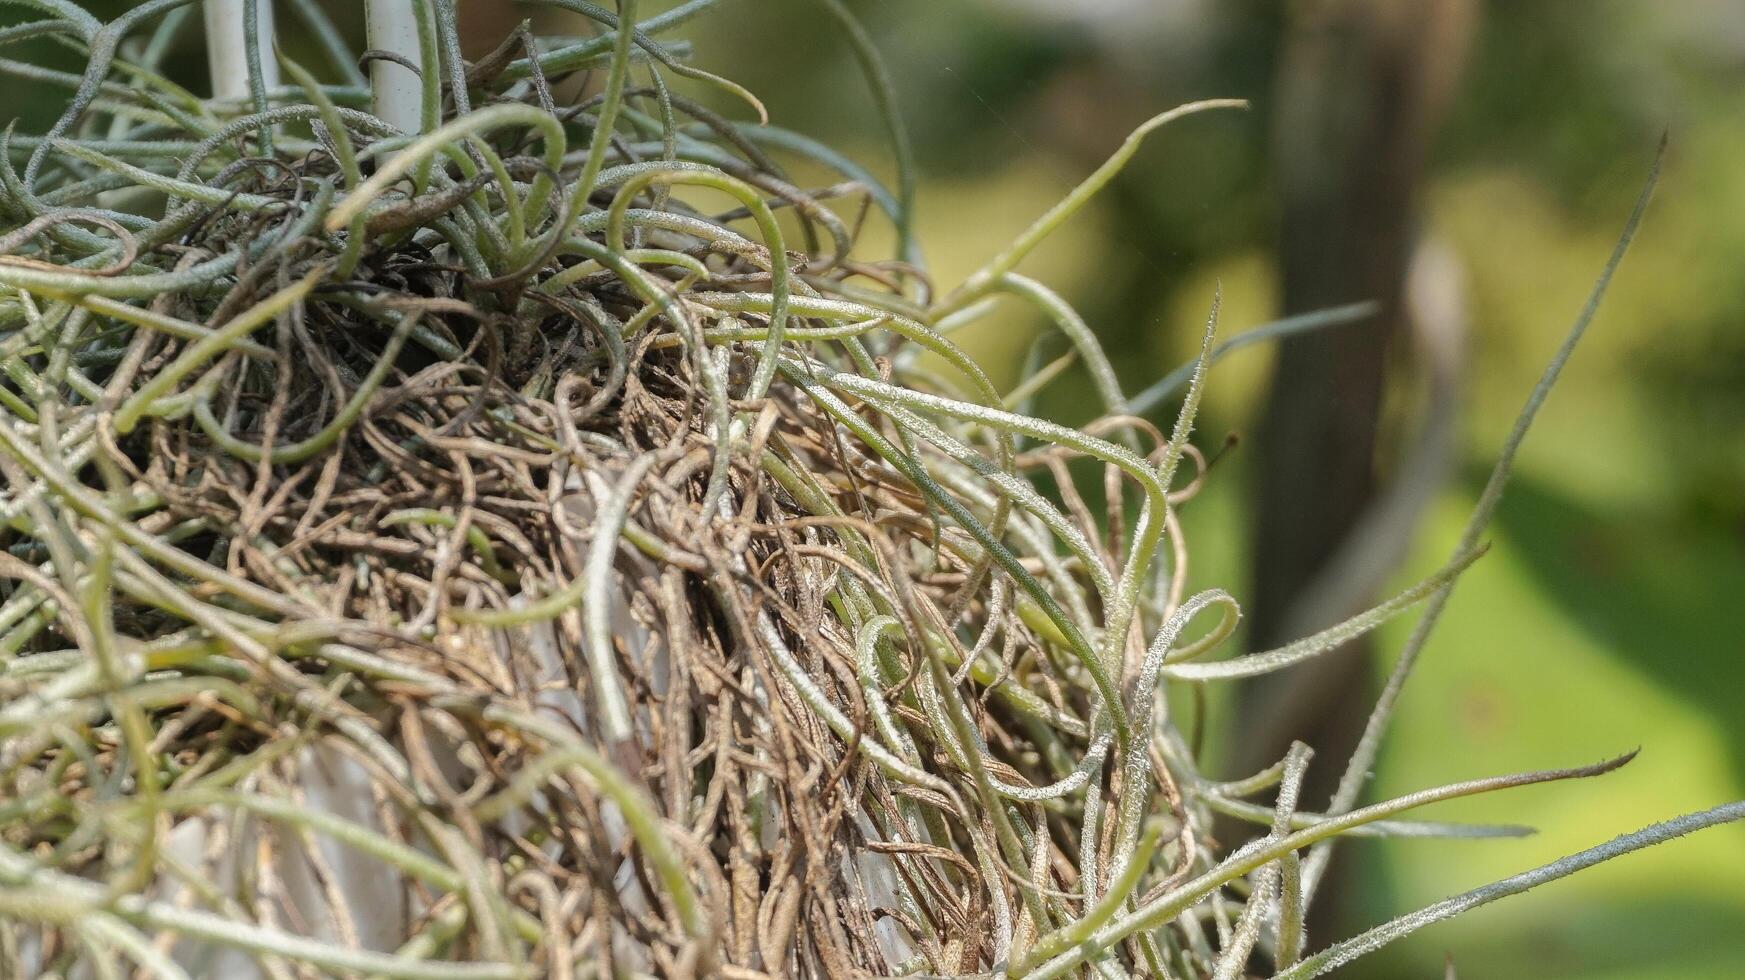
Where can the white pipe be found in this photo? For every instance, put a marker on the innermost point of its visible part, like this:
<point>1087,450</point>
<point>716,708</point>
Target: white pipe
<point>392,25</point>
<point>227,47</point>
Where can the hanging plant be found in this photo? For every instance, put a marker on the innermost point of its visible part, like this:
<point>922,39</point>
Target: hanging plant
<point>454,529</point>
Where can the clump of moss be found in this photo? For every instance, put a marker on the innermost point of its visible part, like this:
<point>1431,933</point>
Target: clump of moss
<point>536,545</point>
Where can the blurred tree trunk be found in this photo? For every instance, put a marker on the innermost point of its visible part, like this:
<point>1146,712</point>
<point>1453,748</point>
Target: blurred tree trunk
<point>1361,88</point>
<point>485,23</point>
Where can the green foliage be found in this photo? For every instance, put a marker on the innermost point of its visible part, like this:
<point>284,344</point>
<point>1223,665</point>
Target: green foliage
<point>610,578</point>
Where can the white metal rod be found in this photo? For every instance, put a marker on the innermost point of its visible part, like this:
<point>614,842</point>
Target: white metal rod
<point>392,25</point>
<point>227,47</point>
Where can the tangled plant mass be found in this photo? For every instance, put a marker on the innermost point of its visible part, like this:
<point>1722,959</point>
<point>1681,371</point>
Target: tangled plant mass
<point>546,544</point>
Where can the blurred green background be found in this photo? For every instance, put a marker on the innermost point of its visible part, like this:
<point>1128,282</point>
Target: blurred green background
<point>1469,165</point>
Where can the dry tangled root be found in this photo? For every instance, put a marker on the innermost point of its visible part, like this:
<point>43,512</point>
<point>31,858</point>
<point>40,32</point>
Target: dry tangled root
<point>469,555</point>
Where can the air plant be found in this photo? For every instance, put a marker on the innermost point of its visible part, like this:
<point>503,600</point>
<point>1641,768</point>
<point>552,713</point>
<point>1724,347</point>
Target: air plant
<point>458,530</point>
